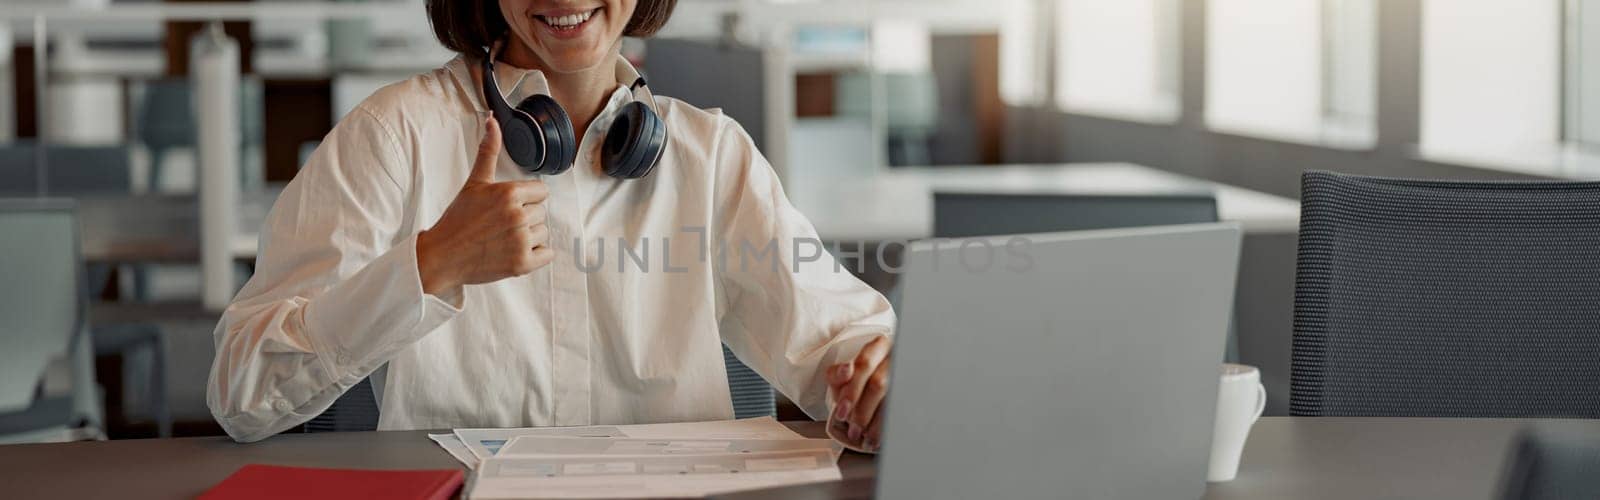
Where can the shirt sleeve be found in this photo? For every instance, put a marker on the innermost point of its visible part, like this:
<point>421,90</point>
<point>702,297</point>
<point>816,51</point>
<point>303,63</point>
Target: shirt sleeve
<point>336,292</point>
<point>791,309</point>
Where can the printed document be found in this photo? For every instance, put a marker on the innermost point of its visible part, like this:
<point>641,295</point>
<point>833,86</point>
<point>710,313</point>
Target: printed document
<point>687,459</point>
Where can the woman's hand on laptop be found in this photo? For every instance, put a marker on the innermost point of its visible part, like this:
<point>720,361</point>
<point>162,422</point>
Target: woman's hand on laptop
<point>859,387</point>
<point>492,231</point>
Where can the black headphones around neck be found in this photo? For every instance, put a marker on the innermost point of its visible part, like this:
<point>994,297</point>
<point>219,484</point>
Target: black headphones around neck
<point>537,134</point>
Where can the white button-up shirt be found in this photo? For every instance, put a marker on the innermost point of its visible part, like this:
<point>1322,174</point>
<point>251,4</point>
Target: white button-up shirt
<point>650,276</point>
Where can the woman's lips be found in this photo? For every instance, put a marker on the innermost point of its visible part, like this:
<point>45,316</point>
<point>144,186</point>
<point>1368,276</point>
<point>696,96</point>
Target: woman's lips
<point>569,25</point>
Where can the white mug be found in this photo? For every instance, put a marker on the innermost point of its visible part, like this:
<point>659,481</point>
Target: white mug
<point>1240,400</point>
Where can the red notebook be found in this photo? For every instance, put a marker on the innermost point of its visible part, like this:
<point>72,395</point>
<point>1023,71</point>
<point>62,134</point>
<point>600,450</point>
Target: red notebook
<point>272,481</point>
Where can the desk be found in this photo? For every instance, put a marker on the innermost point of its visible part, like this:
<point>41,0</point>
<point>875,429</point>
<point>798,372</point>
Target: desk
<point>897,204</point>
<point>161,228</point>
<point>1308,458</point>
<point>184,467</point>
<point>1287,457</point>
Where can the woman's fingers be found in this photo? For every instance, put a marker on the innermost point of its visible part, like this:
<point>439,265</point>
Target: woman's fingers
<point>488,153</point>
<point>839,375</point>
<point>874,434</point>
<point>865,364</point>
<point>872,395</point>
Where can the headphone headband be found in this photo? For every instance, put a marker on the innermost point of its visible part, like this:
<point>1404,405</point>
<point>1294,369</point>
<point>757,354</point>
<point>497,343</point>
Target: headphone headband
<point>539,136</point>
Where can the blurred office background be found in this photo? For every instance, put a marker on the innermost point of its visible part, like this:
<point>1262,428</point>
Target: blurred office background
<point>98,104</point>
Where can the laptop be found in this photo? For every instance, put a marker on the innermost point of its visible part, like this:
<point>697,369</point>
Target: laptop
<point>1065,365</point>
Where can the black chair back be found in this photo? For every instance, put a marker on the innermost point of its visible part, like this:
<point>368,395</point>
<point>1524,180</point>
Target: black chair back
<point>355,410</point>
<point>1447,299</point>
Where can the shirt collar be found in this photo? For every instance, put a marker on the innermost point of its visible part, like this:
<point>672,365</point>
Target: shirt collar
<point>525,82</point>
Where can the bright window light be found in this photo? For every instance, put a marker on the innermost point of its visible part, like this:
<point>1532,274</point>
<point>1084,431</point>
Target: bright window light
<point>1021,48</point>
<point>1582,94</point>
<point>1264,68</point>
<point>1118,58</point>
<point>1491,82</point>
<point>1292,70</point>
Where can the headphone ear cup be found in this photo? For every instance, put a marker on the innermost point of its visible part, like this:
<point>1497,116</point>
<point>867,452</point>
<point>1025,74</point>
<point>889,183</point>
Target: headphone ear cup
<point>633,143</point>
<point>616,155</point>
<point>516,135</point>
<point>652,145</point>
<point>556,129</point>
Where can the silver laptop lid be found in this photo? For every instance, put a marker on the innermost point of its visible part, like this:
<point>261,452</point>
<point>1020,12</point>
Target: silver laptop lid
<point>1072,365</point>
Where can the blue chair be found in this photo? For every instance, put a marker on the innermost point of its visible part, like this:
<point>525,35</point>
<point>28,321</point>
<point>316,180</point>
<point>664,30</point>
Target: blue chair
<point>71,170</point>
<point>165,121</point>
<point>47,389</point>
<point>93,170</point>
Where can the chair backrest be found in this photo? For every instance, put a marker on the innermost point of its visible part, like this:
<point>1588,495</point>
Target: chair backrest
<point>1446,299</point>
<point>71,170</point>
<point>166,114</point>
<point>752,395</point>
<point>357,409</point>
<point>166,119</point>
<point>961,215</point>
<point>1554,461</point>
<point>41,294</point>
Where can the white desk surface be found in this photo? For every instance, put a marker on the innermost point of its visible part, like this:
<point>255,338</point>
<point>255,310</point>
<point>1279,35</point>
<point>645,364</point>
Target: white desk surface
<point>897,204</point>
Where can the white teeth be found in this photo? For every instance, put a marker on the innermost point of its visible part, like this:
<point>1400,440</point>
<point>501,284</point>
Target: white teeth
<point>569,20</point>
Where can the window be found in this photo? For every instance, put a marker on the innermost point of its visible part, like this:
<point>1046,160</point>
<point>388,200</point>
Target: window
<point>1582,91</point>
<point>1295,70</point>
<point>1492,100</point>
<point>1022,50</point>
<point>1118,58</point>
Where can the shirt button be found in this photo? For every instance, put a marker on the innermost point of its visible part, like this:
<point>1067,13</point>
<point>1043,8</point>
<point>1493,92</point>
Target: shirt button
<point>282,405</point>
<point>343,358</point>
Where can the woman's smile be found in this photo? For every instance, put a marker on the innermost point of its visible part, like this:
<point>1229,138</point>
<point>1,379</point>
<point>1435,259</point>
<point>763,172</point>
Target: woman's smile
<point>568,24</point>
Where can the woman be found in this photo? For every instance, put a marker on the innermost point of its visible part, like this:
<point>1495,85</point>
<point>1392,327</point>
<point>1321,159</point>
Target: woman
<point>412,249</point>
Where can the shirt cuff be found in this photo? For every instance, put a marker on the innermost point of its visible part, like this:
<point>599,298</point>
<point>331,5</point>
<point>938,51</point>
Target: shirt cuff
<point>361,322</point>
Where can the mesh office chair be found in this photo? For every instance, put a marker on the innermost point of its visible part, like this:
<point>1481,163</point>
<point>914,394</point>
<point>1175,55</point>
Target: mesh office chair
<point>1447,299</point>
<point>357,408</point>
<point>752,395</point>
<point>1554,462</point>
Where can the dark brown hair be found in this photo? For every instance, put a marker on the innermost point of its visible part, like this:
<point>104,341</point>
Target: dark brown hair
<point>469,26</point>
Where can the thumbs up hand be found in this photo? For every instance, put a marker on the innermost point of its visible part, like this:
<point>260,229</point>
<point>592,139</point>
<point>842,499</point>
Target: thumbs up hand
<point>492,231</point>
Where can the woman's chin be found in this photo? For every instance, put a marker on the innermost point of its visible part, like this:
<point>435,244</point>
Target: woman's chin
<point>575,60</point>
